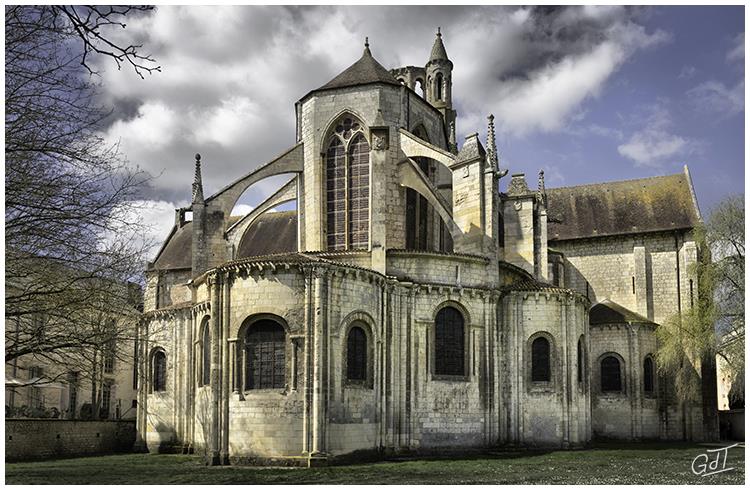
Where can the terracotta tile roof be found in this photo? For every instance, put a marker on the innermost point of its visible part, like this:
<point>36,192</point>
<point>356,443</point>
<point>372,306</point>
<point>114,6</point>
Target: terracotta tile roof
<point>616,208</point>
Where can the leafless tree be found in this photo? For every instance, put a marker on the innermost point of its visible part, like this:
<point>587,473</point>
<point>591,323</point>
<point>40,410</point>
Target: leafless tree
<point>74,241</point>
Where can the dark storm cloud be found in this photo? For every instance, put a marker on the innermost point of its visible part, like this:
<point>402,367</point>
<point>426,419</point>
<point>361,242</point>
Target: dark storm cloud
<point>230,75</point>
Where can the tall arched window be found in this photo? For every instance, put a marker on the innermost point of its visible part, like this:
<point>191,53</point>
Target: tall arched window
<point>336,194</point>
<point>449,342</point>
<point>348,187</point>
<point>159,371</point>
<point>359,192</point>
<point>265,355</point>
<point>206,357</point>
<point>439,87</point>
<point>581,359</point>
<point>356,355</point>
<point>648,375</point>
<point>610,374</point>
<point>540,360</point>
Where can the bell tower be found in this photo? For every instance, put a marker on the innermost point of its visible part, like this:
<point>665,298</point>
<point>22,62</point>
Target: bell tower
<point>439,73</point>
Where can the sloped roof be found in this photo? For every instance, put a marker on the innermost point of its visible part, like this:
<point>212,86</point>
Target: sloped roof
<point>607,311</point>
<point>177,253</point>
<point>364,71</point>
<point>272,233</point>
<point>616,208</point>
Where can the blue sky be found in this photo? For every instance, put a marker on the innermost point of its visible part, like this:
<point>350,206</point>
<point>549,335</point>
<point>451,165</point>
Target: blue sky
<point>657,86</point>
<point>589,94</point>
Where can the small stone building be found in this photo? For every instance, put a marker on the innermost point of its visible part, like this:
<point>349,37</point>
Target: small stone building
<point>408,304</point>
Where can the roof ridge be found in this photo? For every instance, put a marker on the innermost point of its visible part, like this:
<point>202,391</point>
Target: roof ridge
<point>653,177</point>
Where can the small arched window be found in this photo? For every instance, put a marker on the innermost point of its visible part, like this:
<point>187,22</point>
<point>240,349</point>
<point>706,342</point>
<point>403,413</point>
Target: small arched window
<point>439,87</point>
<point>356,355</point>
<point>206,358</point>
<point>611,377</point>
<point>581,360</point>
<point>449,342</point>
<point>648,375</point>
<point>265,355</point>
<point>159,371</point>
<point>540,362</point>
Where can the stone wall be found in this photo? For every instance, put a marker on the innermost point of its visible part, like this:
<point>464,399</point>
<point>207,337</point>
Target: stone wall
<point>554,413</point>
<point>627,268</point>
<point>632,413</point>
<point>29,439</point>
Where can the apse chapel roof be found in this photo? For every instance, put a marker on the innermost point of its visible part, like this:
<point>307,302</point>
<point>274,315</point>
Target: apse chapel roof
<point>365,70</point>
<point>608,312</point>
<point>271,233</point>
<point>617,208</point>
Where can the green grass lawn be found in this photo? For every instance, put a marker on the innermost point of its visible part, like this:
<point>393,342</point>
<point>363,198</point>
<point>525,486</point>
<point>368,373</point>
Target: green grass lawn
<point>604,464</point>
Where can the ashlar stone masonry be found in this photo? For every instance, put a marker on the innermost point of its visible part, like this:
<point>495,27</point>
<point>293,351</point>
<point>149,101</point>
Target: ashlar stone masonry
<point>408,304</point>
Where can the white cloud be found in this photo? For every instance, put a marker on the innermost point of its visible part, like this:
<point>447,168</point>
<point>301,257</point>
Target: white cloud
<point>241,209</point>
<point>655,144</point>
<point>737,53</point>
<point>230,75</point>
<point>716,98</point>
<point>687,72</point>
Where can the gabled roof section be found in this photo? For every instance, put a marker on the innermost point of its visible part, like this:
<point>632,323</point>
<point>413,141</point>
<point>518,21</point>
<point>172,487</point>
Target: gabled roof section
<point>617,208</point>
<point>607,311</point>
<point>365,71</point>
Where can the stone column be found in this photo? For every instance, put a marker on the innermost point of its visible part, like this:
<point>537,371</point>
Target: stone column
<point>307,364</point>
<point>142,379</point>
<point>640,283</point>
<point>319,362</point>
<point>233,368</point>
<point>215,294</point>
<point>225,378</point>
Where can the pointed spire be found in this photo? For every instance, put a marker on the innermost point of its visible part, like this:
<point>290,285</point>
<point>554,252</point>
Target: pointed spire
<point>438,49</point>
<point>367,47</point>
<point>197,181</point>
<point>541,193</point>
<point>491,147</point>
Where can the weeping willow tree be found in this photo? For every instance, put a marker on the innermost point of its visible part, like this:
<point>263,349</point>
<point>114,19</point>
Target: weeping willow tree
<point>715,324</point>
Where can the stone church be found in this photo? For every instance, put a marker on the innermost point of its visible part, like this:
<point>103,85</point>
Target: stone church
<point>408,304</point>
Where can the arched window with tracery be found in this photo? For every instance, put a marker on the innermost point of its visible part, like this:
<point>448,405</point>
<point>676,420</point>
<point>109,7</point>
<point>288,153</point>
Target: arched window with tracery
<point>265,355</point>
<point>348,187</point>
<point>356,355</point>
<point>159,371</point>
<point>206,355</point>
<point>611,377</point>
<point>540,360</point>
<point>648,375</point>
<point>449,342</point>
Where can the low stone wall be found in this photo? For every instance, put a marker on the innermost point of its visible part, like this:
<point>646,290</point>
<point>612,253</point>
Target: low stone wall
<point>28,439</point>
